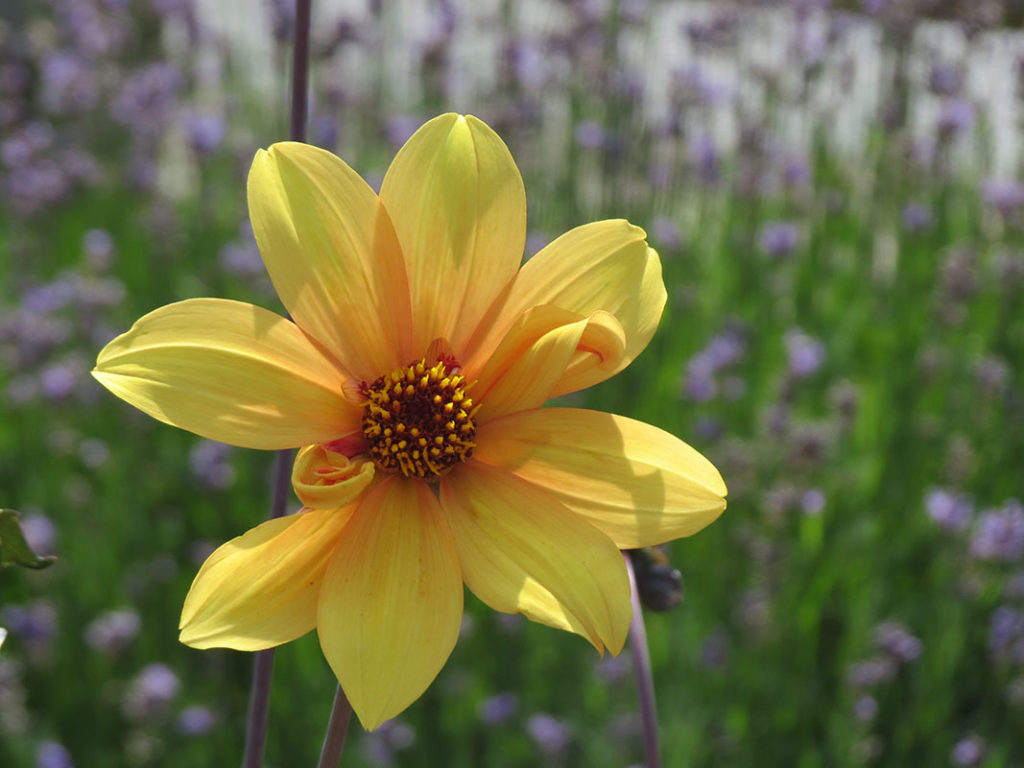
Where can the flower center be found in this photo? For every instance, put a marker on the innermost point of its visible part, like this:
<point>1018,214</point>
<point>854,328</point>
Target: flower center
<point>418,421</point>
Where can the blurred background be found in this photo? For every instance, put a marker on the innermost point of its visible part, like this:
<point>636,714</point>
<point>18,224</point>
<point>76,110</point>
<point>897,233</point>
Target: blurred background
<point>836,194</point>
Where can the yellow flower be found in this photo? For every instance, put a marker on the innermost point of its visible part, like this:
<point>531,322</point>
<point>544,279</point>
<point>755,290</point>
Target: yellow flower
<point>412,374</point>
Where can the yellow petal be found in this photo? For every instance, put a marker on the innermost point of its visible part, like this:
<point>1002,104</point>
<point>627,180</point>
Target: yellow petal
<point>524,552</point>
<point>547,346</point>
<point>636,483</point>
<point>230,372</point>
<point>391,602</point>
<point>606,265</point>
<point>332,255</point>
<point>459,207</point>
<point>261,589</point>
<point>323,479</point>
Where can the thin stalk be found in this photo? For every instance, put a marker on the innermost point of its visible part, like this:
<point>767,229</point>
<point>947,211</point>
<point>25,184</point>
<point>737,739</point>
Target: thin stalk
<point>337,728</point>
<point>263,663</point>
<point>642,667</point>
<point>300,70</point>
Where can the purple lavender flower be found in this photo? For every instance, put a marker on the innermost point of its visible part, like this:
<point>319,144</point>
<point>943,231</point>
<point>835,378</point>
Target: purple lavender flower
<point>999,533</point>
<point>893,639</point>
<point>98,246</point>
<point>590,134</point>
<point>704,156</point>
<point>778,239</point>
<point>400,128</point>
<point>40,533</point>
<point>535,241</point>
<point>1006,635</point>
<point>612,669</point>
<point>211,466</point>
<point>1004,195</point>
<point>113,631</point>
<point>992,374</point>
<point>871,672</point>
<point>147,100</point>
<point>951,512</point>
<point>955,116</point>
<point>149,692</point>
<point>59,380</point>
<point>393,736</point>
<point>205,132</point>
<point>813,502</point>
<point>196,720</point>
<point>804,353</point>
<point>917,217</point>
<point>499,708</point>
<point>968,751</point>
<point>50,754</point>
<point>945,80</point>
<point>550,735</point>
<point>665,232</point>
<point>865,708</point>
<point>69,83</point>
<point>93,453</point>
<point>35,624</point>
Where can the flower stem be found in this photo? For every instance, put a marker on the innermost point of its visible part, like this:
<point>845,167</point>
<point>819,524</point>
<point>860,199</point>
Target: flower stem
<point>300,70</point>
<point>337,727</point>
<point>642,667</point>
<point>263,663</point>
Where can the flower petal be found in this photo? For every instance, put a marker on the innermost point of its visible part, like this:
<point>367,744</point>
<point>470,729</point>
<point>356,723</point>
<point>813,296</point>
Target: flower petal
<point>459,207</point>
<point>231,372</point>
<point>606,265</point>
<point>261,588</point>
<point>636,483</point>
<point>332,255</point>
<point>391,602</point>
<point>522,551</point>
<point>547,346</point>
<point>324,479</point>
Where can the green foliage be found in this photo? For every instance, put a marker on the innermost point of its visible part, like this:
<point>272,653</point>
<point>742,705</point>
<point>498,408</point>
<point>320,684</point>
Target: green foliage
<point>14,550</point>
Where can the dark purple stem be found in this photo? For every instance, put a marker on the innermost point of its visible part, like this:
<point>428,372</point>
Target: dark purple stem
<point>642,667</point>
<point>337,728</point>
<point>263,664</point>
<point>300,70</point>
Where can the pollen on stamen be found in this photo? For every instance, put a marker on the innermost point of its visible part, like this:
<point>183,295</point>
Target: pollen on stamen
<point>417,406</point>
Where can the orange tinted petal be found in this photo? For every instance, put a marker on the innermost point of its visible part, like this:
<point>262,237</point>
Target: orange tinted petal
<point>459,207</point>
<point>230,372</point>
<point>638,484</point>
<point>332,255</point>
<point>522,551</point>
<point>607,266</point>
<point>261,589</point>
<point>391,602</point>
<point>547,346</point>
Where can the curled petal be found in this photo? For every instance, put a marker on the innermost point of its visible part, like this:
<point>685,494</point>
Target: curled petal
<point>548,345</point>
<point>323,479</point>
<point>261,588</point>
<point>638,484</point>
<point>230,372</point>
<point>605,265</point>
<point>391,602</point>
<point>459,207</point>
<point>522,551</point>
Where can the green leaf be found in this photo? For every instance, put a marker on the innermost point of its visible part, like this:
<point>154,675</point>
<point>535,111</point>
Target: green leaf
<point>14,550</point>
